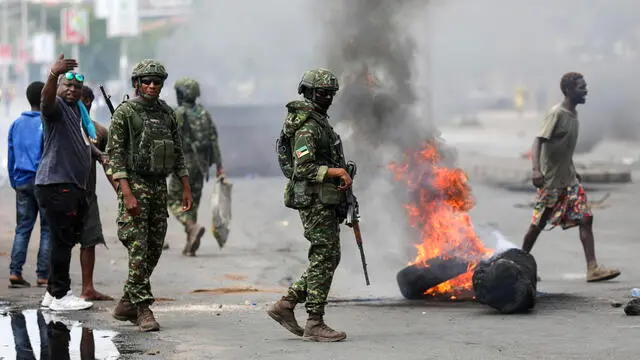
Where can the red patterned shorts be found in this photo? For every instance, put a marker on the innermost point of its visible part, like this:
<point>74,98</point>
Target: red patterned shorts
<point>569,206</point>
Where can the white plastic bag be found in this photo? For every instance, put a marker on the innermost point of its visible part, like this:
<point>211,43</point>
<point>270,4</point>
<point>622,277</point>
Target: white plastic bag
<point>221,209</point>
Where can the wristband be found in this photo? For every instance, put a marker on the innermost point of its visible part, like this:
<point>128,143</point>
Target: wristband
<point>52,74</point>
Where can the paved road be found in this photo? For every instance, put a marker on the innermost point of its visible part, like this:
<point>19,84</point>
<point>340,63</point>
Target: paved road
<point>574,321</point>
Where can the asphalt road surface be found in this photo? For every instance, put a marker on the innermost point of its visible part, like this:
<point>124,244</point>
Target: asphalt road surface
<point>226,319</point>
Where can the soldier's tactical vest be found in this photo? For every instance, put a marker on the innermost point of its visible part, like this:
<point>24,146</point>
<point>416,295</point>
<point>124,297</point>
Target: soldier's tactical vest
<point>151,147</point>
<point>329,151</point>
<point>298,193</point>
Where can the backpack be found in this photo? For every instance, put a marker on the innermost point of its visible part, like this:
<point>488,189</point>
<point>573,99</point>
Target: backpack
<point>151,147</point>
<point>284,146</point>
<point>285,154</point>
<point>295,196</point>
<point>196,131</point>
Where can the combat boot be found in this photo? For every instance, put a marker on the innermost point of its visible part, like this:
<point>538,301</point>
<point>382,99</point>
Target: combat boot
<point>317,330</point>
<point>194,234</point>
<point>282,312</point>
<point>187,245</point>
<point>146,321</point>
<point>125,311</point>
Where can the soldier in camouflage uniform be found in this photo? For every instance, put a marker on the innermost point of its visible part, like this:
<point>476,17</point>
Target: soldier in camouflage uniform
<point>144,147</point>
<point>201,151</point>
<point>318,178</point>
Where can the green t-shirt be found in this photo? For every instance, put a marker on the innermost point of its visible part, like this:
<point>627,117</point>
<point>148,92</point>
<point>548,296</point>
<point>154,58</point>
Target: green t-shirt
<point>560,133</point>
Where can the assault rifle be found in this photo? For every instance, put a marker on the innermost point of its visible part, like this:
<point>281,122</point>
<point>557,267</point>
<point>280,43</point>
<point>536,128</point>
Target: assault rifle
<point>107,100</point>
<point>353,218</point>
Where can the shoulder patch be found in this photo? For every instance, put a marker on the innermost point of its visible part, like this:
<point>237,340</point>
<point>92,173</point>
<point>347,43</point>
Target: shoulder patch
<point>302,151</point>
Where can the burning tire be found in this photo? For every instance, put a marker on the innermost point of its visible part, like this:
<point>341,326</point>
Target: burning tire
<point>507,282</point>
<point>414,281</point>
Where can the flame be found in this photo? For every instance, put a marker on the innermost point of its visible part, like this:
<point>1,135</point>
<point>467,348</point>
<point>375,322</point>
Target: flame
<point>438,209</point>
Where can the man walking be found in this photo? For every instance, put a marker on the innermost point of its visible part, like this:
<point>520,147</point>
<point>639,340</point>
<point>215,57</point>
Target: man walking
<point>144,148</point>
<point>561,198</point>
<point>24,152</point>
<point>62,177</point>
<point>310,155</point>
<point>201,150</point>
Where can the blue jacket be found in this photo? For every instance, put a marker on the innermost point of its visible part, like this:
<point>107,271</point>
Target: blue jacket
<point>25,148</point>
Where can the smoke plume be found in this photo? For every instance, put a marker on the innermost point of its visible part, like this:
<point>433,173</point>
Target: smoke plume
<point>243,52</point>
<point>372,48</point>
<point>380,110</point>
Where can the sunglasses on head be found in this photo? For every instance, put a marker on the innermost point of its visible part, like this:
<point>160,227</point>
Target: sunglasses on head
<point>71,75</point>
<point>149,80</point>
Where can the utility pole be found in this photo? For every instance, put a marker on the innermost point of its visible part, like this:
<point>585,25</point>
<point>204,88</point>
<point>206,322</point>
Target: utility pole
<point>124,64</point>
<point>5,40</point>
<point>44,70</point>
<point>75,50</point>
<point>24,29</point>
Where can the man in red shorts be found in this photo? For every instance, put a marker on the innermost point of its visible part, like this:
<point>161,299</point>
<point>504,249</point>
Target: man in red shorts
<point>561,198</point>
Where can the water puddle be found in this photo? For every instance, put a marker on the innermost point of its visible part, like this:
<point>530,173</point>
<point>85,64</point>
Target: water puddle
<point>42,335</point>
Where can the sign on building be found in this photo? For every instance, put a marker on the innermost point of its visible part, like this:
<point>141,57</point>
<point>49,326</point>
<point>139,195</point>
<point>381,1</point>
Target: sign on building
<point>123,18</point>
<point>164,8</point>
<point>101,8</point>
<point>43,48</point>
<point>74,26</point>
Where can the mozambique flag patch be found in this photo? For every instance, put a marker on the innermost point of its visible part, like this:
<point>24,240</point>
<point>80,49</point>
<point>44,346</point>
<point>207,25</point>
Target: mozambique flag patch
<point>302,151</point>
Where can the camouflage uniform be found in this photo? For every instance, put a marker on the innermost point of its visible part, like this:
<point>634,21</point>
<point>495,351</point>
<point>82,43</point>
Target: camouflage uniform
<point>313,142</point>
<point>201,150</point>
<point>142,235</point>
<point>316,147</point>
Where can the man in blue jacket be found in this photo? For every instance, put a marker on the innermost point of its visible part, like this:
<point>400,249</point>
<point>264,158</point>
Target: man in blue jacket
<point>25,150</point>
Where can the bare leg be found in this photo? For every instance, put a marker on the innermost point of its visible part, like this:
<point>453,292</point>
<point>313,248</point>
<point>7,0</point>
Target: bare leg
<point>87,345</point>
<point>534,231</point>
<point>588,242</point>
<point>595,271</point>
<point>87,263</point>
<point>530,238</point>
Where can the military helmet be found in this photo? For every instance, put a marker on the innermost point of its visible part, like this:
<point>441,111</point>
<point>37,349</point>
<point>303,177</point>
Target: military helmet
<point>189,87</point>
<point>318,79</point>
<point>148,67</point>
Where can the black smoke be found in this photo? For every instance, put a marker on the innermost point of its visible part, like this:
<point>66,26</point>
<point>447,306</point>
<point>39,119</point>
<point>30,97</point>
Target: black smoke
<point>371,45</point>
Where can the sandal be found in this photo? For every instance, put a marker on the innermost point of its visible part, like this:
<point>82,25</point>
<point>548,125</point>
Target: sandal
<point>18,282</point>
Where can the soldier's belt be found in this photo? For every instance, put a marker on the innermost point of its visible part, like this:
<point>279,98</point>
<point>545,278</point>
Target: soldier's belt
<point>147,176</point>
<point>315,188</point>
